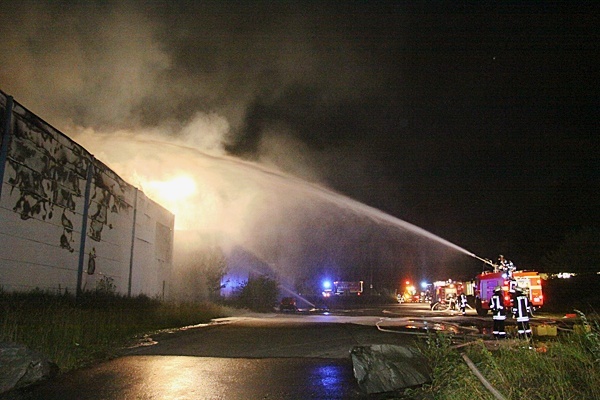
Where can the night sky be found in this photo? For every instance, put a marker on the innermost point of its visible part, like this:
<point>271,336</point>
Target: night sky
<point>477,121</point>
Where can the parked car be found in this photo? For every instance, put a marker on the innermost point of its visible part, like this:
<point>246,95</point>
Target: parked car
<point>288,304</point>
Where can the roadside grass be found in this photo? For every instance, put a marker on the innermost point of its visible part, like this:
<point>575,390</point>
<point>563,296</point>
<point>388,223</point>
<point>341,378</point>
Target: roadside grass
<point>566,367</point>
<point>73,334</point>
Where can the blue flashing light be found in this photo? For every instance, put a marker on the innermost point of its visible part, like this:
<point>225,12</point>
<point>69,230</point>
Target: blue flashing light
<point>326,285</point>
<point>424,285</point>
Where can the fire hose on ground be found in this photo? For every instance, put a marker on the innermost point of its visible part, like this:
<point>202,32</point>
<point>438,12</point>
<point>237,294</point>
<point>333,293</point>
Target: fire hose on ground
<point>467,360</point>
<point>482,379</point>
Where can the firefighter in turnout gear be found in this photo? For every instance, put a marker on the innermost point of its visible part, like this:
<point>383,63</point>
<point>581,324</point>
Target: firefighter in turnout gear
<point>506,266</point>
<point>462,303</point>
<point>499,313</point>
<point>521,312</point>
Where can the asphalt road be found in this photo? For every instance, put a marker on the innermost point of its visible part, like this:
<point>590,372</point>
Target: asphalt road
<point>267,356</point>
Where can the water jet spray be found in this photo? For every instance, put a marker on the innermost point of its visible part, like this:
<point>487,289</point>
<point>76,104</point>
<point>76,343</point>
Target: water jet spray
<point>485,260</point>
<point>273,215</point>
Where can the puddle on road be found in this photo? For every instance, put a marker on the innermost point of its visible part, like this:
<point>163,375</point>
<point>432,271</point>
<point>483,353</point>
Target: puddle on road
<point>427,325</point>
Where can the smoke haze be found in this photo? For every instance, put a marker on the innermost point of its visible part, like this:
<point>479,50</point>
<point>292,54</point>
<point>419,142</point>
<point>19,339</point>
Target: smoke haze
<point>423,111</point>
<point>243,80</point>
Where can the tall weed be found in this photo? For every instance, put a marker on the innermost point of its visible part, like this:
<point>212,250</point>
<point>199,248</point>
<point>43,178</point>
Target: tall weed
<point>591,336</point>
<point>74,333</point>
<point>451,376</point>
<point>560,368</point>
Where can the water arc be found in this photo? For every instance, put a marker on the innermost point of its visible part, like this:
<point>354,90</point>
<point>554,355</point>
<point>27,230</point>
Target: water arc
<point>291,224</point>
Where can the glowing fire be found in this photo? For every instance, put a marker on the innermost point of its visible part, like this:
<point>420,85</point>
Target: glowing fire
<point>171,194</point>
<point>175,190</point>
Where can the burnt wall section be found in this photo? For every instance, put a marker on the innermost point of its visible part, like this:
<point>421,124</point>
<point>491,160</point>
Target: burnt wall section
<point>52,238</point>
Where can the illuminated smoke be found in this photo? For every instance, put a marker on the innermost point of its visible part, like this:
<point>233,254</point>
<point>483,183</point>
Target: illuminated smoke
<point>134,82</point>
<point>295,227</point>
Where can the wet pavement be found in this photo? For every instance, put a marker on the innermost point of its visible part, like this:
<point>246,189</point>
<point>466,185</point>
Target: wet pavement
<point>183,377</point>
<point>266,356</point>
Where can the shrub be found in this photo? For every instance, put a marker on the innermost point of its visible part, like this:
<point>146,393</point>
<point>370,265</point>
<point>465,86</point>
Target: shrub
<point>258,294</point>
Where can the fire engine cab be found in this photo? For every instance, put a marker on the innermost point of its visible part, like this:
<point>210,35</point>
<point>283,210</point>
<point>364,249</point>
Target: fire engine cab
<point>447,292</point>
<point>485,283</point>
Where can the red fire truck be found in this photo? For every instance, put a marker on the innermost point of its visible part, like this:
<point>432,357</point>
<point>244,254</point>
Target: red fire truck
<point>485,283</point>
<point>446,293</point>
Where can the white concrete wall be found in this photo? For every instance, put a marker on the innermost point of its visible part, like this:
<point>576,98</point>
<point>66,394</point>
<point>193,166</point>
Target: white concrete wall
<point>41,208</point>
<point>153,242</point>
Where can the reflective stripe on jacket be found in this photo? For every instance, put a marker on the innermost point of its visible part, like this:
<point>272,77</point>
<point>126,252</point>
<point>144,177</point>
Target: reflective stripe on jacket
<point>521,308</point>
<point>497,307</point>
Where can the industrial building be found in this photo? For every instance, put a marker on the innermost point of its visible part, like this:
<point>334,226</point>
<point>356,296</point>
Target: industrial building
<point>70,223</point>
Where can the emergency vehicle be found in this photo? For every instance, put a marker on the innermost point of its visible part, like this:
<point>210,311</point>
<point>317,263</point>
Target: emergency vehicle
<point>446,292</point>
<point>347,288</point>
<point>485,283</point>
<point>409,295</point>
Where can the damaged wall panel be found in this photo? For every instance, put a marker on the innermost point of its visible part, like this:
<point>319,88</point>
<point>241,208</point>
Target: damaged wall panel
<point>45,177</point>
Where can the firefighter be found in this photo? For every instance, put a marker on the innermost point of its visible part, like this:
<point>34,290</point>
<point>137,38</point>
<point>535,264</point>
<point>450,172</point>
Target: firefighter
<point>462,303</point>
<point>506,266</point>
<point>521,310</point>
<point>499,313</point>
<point>451,299</point>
